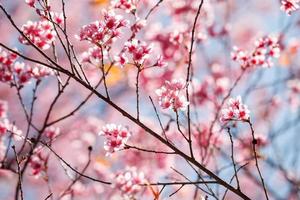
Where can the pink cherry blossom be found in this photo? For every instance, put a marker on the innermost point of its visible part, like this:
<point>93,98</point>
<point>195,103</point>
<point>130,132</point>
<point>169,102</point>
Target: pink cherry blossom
<point>266,49</point>
<point>289,6</point>
<point>128,182</point>
<point>41,33</point>
<point>57,17</point>
<point>38,163</point>
<point>139,24</point>
<point>121,59</point>
<point>170,95</point>
<point>30,2</point>
<point>139,51</point>
<point>51,132</point>
<point>127,5</point>
<point>116,136</point>
<point>235,110</point>
<point>93,56</point>
<point>103,32</point>
<point>160,62</point>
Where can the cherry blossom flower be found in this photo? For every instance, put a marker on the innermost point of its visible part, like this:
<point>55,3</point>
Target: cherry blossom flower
<point>121,59</point>
<point>57,17</point>
<point>139,24</point>
<point>94,56</point>
<point>41,71</point>
<point>235,110</point>
<point>127,5</point>
<point>105,31</point>
<point>41,33</point>
<point>176,37</point>
<point>10,68</point>
<point>51,132</point>
<point>266,48</point>
<point>139,50</point>
<point>128,182</point>
<point>170,97</point>
<point>5,125</point>
<point>38,162</point>
<point>116,137</point>
<point>30,2</point>
<point>289,6</point>
<point>160,62</point>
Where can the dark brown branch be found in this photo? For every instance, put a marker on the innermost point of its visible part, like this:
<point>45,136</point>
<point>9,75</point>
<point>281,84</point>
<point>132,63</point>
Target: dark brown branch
<point>254,142</point>
<point>19,185</point>
<point>188,78</point>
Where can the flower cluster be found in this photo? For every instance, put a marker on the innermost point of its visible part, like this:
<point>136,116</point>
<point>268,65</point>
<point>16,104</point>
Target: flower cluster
<point>128,182</point>
<point>10,69</point>
<point>127,5</point>
<point>140,51</point>
<point>103,32</point>
<point>5,125</point>
<point>235,110</point>
<point>38,162</point>
<point>289,6</point>
<point>40,33</point>
<point>170,97</point>
<point>266,48</point>
<point>116,137</point>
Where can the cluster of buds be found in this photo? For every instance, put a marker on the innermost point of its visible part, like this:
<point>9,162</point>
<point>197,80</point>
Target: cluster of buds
<point>266,49</point>
<point>129,182</point>
<point>116,137</point>
<point>38,162</point>
<point>11,70</point>
<point>236,111</point>
<point>170,97</point>
<point>127,5</point>
<point>289,6</point>
<point>103,32</point>
<point>40,33</point>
